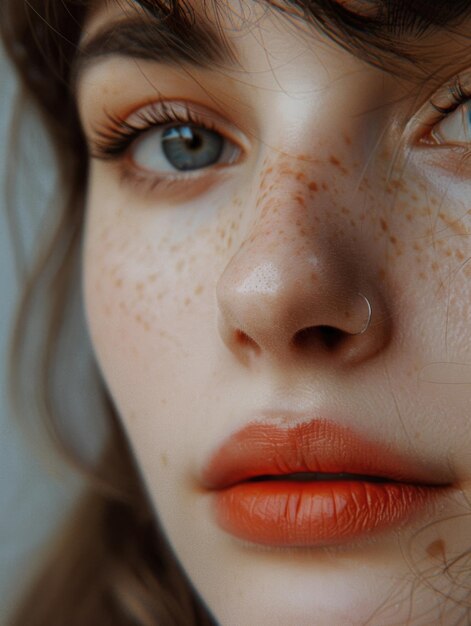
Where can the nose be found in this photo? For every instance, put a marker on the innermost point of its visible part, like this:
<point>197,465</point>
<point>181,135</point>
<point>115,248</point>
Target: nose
<point>296,285</point>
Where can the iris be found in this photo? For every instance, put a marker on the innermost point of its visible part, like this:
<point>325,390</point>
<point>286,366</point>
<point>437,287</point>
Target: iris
<point>191,148</point>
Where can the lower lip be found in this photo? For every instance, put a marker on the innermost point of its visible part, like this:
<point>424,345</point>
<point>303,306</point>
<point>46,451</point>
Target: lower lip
<point>317,513</point>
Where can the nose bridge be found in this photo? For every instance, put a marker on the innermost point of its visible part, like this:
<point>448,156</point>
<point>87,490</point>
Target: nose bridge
<point>276,250</point>
<point>293,217</point>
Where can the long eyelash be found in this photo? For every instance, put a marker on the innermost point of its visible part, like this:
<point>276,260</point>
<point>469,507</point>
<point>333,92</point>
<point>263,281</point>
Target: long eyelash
<point>458,96</point>
<point>118,134</point>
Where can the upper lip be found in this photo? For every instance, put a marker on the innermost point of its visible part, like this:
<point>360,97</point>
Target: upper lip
<point>318,445</point>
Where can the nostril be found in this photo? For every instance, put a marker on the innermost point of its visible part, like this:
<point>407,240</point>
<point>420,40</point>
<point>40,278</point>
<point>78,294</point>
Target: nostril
<point>244,340</point>
<point>329,336</point>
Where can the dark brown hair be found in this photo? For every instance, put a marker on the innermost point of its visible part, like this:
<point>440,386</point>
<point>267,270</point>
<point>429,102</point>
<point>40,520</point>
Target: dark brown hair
<point>112,564</point>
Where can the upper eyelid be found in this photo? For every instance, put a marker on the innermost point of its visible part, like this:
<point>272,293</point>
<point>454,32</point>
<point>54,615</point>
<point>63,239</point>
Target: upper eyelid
<point>454,90</point>
<point>204,113</point>
<point>436,107</point>
<point>201,115</point>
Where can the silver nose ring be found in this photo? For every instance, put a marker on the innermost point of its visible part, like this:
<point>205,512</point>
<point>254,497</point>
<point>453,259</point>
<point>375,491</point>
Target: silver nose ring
<point>363,330</point>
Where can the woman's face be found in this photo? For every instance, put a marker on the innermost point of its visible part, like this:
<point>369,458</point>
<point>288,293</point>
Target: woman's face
<point>255,212</point>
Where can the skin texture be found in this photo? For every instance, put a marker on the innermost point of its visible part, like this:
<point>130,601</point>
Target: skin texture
<point>194,292</point>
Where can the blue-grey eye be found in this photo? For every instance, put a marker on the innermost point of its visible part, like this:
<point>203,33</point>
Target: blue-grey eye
<point>455,128</point>
<point>190,148</point>
<point>183,148</point>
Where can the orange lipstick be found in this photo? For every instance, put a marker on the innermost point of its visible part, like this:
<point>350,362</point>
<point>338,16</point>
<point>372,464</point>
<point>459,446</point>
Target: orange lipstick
<point>312,484</point>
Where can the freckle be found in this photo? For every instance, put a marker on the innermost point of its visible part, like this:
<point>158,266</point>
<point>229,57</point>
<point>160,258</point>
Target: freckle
<point>353,222</point>
<point>152,278</point>
<point>393,239</point>
<point>382,273</point>
<point>417,247</point>
<point>348,139</point>
<point>313,186</point>
<point>409,217</point>
<point>383,224</point>
<point>300,200</point>
<point>456,226</point>
<point>459,255</point>
<point>334,161</point>
<point>187,301</point>
<point>164,459</point>
<point>300,176</point>
<point>415,197</point>
<point>199,289</point>
<point>180,265</point>
<point>448,252</point>
<point>139,287</point>
<point>435,266</point>
<point>436,549</point>
<point>118,283</point>
<point>325,186</point>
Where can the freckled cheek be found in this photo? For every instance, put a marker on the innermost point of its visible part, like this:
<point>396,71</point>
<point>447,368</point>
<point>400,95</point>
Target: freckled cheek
<point>143,302</point>
<point>153,331</point>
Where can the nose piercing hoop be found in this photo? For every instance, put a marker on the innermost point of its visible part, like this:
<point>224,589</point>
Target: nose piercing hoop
<point>369,315</point>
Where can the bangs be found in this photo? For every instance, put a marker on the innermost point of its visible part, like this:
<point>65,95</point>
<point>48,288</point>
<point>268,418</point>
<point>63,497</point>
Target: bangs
<point>389,34</point>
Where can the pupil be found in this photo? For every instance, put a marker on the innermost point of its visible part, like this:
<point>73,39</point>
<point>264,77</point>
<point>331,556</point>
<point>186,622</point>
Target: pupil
<point>194,143</point>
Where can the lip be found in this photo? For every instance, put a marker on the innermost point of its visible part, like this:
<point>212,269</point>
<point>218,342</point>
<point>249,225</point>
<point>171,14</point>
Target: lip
<point>382,489</point>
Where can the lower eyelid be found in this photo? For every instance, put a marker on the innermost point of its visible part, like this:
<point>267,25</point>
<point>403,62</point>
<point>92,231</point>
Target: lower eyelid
<point>169,189</point>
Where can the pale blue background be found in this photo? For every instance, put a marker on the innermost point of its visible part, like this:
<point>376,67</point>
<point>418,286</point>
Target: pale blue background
<point>34,488</point>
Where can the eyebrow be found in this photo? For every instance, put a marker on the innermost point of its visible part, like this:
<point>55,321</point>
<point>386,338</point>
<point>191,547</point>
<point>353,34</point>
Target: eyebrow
<point>171,40</point>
